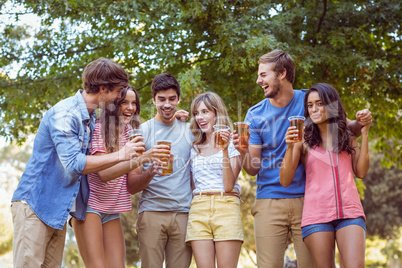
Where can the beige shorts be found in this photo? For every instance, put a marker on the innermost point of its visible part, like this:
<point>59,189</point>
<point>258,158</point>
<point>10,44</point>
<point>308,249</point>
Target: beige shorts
<point>214,217</point>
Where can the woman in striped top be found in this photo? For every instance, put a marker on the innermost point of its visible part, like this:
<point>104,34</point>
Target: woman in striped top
<point>100,236</point>
<point>332,209</point>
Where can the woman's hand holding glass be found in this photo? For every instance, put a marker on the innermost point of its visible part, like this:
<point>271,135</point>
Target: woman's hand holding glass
<point>291,136</point>
<point>132,148</point>
<point>222,139</point>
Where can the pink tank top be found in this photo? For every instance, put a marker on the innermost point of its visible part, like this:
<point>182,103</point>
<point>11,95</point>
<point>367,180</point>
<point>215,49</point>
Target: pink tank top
<point>331,192</point>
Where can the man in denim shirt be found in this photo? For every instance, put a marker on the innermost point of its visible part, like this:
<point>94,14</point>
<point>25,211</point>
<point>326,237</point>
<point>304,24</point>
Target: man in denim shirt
<point>54,182</point>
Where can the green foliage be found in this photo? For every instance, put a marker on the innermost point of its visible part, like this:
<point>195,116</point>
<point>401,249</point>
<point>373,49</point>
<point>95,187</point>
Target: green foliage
<point>383,196</point>
<point>6,235</point>
<point>71,255</point>
<point>384,252</point>
<point>248,186</point>
<point>128,220</point>
<point>15,156</point>
<point>215,45</point>
<point>208,45</point>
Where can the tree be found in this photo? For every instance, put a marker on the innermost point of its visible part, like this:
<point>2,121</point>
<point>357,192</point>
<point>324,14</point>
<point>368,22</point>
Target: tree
<point>209,45</point>
<point>128,220</point>
<point>6,236</point>
<point>383,196</point>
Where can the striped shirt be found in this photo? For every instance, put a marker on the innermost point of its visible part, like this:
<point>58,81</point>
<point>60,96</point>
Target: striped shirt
<point>111,196</point>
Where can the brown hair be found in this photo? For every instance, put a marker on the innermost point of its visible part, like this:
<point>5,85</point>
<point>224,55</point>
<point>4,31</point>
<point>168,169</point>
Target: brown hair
<point>111,121</point>
<point>215,104</point>
<point>103,72</point>
<point>282,60</point>
<point>164,81</point>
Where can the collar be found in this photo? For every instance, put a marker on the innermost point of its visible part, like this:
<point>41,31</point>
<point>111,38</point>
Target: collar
<point>86,117</point>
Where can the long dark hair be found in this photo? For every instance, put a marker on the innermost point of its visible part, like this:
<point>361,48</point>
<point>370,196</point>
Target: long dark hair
<point>336,116</point>
<point>111,121</point>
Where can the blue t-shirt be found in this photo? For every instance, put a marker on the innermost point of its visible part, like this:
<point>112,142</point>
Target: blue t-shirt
<point>268,126</point>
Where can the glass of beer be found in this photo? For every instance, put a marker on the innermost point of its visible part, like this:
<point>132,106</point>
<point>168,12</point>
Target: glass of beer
<point>298,122</point>
<point>219,142</point>
<point>134,133</point>
<point>167,157</point>
<point>244,134</point>
<point>170,166</point>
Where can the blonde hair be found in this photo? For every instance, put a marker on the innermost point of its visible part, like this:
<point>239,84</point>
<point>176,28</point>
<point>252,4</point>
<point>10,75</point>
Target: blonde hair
<point>215,104</point>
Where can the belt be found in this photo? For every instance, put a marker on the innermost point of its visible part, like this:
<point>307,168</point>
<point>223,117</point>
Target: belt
<point>221,194</point>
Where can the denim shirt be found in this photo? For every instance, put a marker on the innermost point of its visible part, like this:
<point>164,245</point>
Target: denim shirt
<point>51,181</point>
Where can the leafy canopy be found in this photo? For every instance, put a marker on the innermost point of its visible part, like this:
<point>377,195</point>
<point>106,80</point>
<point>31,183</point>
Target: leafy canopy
<point>208,45</point>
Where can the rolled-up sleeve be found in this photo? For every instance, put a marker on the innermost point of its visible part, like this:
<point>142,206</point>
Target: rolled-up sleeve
<point>67,133</point>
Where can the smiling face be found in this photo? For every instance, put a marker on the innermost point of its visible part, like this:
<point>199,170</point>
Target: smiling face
<point>108,96</point>
<point>316,108</point>
<point>166,103</point>
<point>205,118</point>
<point>128,106</point>
<point>268,79</point>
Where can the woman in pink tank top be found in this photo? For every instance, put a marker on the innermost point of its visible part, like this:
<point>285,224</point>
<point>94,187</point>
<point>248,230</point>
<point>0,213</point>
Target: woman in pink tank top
<point>331,156</point>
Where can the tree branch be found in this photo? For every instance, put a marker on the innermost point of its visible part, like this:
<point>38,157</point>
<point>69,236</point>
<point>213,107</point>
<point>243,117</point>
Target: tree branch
<point>15,13</point>
<point>320,21</point>
<point>141,87</point>
<point>30,81</point>
<point>201,60</point>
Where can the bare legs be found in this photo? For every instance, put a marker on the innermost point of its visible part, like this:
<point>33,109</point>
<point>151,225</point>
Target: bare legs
<point>351,245</point>
<point>100,245</point>
<point>227,253</point>
<point>351,242</point>
<point>322,248</point>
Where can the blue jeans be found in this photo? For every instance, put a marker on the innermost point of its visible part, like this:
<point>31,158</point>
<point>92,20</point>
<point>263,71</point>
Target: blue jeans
<point>332,226</point>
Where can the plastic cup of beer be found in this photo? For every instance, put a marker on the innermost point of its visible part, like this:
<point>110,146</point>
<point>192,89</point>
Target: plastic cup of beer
<point>298,122</point>
<point>242,129</point>
<point>134,133</point>
<point>219,142</point>
<point>167,157</point>
<point>169,169</point>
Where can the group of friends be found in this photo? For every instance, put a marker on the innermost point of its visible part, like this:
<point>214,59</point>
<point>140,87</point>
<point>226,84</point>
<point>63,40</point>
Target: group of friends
<point>84,169</point>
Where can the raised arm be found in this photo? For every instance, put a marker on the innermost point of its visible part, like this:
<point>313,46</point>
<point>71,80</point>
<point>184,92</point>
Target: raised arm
<point>231,166</point>
<point>363,118</point>
<point>361,157</point>
<point>292,157</point>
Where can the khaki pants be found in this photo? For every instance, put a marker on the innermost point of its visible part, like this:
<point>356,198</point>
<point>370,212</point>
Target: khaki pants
<point>273,220</point>
<point>162,234</point>
<point>34,243</point>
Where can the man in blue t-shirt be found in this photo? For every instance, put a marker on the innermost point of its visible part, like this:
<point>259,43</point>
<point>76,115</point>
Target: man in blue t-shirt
<point>277,210</point>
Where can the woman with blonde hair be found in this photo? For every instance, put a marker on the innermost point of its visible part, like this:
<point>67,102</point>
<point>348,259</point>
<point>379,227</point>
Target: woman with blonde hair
<point>214,226</point>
